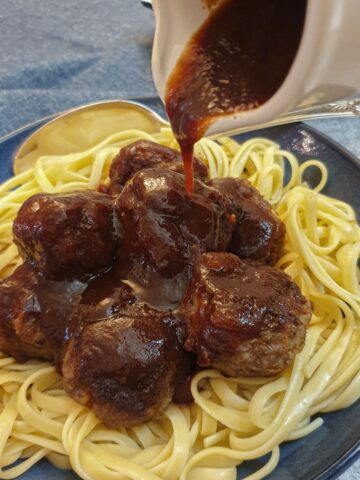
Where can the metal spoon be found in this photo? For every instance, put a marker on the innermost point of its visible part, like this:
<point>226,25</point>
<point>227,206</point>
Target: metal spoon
<point>83,127</point>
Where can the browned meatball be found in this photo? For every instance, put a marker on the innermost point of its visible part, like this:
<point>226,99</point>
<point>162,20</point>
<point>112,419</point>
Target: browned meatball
<point>258,234</point>
<point>123,358</point>
<point>164,230</point>
<point>34,314</point>
<point>20,335</point>
<point>145,154</point>
<point>244,319</point>
<point>66,235</point>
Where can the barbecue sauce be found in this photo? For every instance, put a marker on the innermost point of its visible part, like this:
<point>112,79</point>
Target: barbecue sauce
<point>235,62</point>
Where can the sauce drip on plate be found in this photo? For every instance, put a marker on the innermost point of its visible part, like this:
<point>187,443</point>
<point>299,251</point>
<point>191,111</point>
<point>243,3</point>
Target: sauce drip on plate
<point>235,62</point>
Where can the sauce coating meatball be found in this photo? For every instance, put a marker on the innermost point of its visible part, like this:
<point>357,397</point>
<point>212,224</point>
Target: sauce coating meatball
<point>66,235</point>
<point>20,335</point>
<point>146,154</point>
<point>244,319</point>
<point>258,233</point>
<point>123,359</point>
<point>164,231</point>
<point>34,314</point>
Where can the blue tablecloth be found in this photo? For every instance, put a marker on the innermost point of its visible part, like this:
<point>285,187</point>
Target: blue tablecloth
<point>55,54</point>
<point>60,53</point>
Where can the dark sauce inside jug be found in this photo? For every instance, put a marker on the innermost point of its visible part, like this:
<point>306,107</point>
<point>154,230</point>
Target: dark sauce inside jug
<point>235,62</point>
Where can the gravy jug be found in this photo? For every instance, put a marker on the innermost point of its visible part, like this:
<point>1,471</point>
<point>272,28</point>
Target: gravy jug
<point>325,68</point>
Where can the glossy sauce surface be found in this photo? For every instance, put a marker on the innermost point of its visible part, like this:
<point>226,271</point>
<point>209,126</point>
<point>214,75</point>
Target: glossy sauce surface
<point>165,232</point>
<point>235,62</point>
<point>258,233</point>
<point>244,318</point>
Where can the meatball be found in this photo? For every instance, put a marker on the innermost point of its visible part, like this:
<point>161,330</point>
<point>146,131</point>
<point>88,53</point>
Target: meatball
<point>145,154</point>
<point>20,333</point>
<point>165,229</point>
<point>258,234</point>
<point>66,235</point>
<point>123,358</point>
<point>244,319</point>
<point>34,314</point>
<point>153,255</point>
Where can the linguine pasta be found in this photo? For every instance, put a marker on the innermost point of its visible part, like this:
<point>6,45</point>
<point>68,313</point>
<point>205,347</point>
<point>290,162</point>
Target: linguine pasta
<point>232,419</point>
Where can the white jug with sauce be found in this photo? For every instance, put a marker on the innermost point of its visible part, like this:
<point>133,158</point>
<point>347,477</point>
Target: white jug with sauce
<point>326,67</point>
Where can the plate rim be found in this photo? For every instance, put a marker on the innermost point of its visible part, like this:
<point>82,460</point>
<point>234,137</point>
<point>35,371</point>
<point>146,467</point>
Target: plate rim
<point>326,138</point>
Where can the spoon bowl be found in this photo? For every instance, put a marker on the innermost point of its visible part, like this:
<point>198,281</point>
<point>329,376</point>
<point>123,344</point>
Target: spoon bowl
<point>83,127</point>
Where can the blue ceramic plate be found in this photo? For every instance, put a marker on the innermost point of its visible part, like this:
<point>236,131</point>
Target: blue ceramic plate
<point>332,448</point>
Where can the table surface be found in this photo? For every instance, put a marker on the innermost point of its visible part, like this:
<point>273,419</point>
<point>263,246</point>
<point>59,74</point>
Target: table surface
<point>60,54</point>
